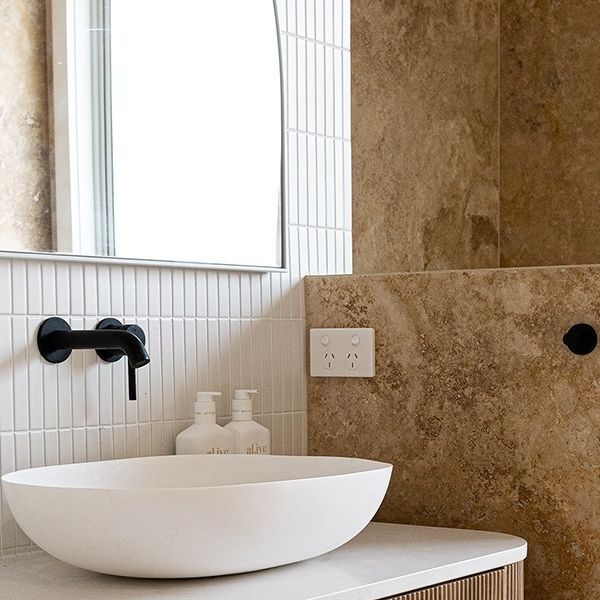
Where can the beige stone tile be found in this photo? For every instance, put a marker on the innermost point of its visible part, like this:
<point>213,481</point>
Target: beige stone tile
<point>490,421</point>
<point>25,215</point>
<point>424,132</point>
<point>550,132</point>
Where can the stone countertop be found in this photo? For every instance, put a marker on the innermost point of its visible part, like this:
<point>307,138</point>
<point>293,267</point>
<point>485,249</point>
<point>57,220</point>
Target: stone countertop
<point>384,560</point>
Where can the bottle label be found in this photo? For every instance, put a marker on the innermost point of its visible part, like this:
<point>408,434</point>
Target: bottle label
<point>206,412</point>
<point>217,450</point>
<point>257,449</point>
<point>242,414</point>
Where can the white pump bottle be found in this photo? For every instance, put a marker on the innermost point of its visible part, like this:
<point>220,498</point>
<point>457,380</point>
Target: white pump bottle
<point>205,436</point>
<point>250,437</point>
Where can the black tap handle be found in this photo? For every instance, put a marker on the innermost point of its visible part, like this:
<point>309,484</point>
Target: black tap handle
<point>115,355</point>
<point>131,382</point>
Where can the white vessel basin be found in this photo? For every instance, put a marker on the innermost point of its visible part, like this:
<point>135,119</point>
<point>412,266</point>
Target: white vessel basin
<point>195,516</point>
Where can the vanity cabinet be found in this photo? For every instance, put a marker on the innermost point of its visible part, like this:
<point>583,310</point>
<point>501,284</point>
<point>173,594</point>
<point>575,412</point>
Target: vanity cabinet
<point>499,584</point>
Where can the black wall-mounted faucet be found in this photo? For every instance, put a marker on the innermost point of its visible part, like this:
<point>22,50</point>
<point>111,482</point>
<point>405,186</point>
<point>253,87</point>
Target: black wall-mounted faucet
<point>111,340</point>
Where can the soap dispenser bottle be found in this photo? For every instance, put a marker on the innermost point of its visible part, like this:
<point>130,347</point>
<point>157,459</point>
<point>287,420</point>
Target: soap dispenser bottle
<point>250,437</point>
<point>205,436</point>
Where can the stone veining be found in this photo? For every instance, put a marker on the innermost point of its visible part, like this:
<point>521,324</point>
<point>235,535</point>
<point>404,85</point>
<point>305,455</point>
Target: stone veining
<point>424,133</point>
<point>550,141</point>
<point>490,421</point>
<point>25,218</point>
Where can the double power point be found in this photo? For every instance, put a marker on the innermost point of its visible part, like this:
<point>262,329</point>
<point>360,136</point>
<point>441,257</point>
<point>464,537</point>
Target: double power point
<point>342,352</point>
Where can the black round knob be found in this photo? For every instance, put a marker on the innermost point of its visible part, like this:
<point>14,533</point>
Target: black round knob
<point>581,339</point>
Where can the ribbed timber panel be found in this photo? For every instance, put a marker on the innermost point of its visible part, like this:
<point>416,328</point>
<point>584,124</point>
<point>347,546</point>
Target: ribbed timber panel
<point>501,584</point>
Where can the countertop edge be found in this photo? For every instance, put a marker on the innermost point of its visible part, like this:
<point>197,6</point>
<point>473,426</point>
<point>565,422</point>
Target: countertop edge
<point>436,576</point>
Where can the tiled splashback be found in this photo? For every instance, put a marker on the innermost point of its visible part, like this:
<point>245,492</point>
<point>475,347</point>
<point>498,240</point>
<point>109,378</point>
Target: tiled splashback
<point>206,330</point>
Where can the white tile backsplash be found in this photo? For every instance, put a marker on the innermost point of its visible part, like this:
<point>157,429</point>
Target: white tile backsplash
<point>205,329</point>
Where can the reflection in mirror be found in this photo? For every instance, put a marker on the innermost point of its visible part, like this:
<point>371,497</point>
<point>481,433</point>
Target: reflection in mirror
<point>168,131</point>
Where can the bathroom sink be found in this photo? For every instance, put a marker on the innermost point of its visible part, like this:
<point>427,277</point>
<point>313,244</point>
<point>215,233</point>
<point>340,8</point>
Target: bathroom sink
<point>197,515</point>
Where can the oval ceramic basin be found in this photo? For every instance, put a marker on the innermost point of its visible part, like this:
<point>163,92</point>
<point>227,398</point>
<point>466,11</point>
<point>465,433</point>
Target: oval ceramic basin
<point>195,516</point>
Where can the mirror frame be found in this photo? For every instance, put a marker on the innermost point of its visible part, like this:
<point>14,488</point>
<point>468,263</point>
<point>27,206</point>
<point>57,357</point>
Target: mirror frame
<point>64,167</point>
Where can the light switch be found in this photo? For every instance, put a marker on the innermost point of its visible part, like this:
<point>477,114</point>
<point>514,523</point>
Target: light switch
<point>342,352</point>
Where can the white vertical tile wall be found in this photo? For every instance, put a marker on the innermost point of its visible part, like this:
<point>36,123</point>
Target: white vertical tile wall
<point>206,330</point>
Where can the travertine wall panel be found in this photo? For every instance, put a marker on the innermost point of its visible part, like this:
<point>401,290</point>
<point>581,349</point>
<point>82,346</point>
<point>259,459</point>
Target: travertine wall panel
<point>550,133</point>
<point>425,135</point>
<point>476,132</point>
<point>490,421</point>
<point>25,216</point>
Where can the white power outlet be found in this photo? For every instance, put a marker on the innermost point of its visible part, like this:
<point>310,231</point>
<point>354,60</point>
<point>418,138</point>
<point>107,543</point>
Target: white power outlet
<point>342,352</point>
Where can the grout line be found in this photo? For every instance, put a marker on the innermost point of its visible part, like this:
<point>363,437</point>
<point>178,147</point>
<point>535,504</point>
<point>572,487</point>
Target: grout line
<point>272,360</point>
<point>81,428</point>
<point>314,41</point>
<point>229,358</point>
<point>71,377</point>
<point>10,344</point>
<point>499,146</point>
<point>316,134</point>
<point>171,318</point>
<point>14,464</point>
<point>262,371</point>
